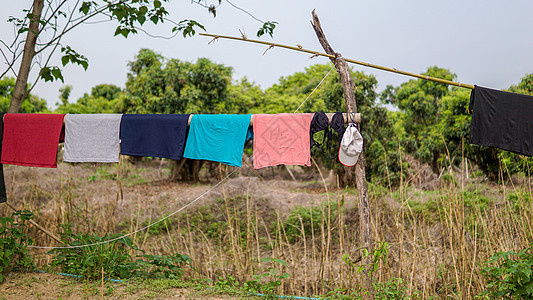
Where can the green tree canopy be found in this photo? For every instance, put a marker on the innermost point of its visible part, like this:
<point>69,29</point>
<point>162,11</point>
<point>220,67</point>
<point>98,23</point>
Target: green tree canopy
<point>104,98</point>
<point>31,104</point>
<point>159,85</point>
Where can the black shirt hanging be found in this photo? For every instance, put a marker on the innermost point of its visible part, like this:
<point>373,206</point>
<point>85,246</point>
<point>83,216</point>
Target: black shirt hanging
<point>502,120</point>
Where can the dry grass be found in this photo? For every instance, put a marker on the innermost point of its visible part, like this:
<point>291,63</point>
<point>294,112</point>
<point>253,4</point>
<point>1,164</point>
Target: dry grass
<point>438,239</point>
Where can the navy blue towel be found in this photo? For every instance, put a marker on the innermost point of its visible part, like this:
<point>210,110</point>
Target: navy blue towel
<point>153,135</point>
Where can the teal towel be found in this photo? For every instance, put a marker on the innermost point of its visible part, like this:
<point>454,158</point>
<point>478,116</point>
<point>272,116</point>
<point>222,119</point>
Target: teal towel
<point>217,138</point>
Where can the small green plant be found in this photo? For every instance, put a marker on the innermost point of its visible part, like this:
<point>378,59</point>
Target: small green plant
<point>88,262</point>
<point>268,281</point>
<point>394,288</point>
<point>14,241</point>
<point>101,173</point>
<point>164,266</point>
<point>509,275</point>
<point>378,254</point>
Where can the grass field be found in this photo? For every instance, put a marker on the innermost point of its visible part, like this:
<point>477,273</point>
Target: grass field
<point>264,232</point>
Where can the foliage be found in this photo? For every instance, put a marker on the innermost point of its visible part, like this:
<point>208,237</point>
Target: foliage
<point>60,17</point>
<point>509,275</point>
<point>433,124</point>
<point>104,98</point>
<point>163,266</point>
<point>394,288</point>
<point>307,221</point>
<point>14,241</point>
<point>30,104</point>
<point>113,258</point>
<point>268,281</point>
<point>159,85</point>
<point>377,255</point>
<point>377,127</point>
<point>525,86</point>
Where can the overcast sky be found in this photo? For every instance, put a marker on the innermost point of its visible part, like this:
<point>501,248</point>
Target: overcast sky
<point>484,42</point>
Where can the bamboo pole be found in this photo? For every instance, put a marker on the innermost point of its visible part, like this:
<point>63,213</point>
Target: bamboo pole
<point>366,64</point>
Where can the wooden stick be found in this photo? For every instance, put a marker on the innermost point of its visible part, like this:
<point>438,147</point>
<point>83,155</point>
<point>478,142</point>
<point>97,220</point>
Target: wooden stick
<point>348,86</point>
<point>332,56</point>
<point>39,226</point>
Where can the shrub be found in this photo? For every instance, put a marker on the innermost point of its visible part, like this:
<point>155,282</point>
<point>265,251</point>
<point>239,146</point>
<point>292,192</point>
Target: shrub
<point>14,241</point>
<point>509,275</point>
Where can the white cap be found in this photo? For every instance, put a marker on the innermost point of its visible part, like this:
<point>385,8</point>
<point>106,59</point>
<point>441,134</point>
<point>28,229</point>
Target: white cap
<point>351,146</point>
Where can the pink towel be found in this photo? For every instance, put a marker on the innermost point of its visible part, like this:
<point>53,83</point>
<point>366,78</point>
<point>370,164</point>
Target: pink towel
<point>282,139</point>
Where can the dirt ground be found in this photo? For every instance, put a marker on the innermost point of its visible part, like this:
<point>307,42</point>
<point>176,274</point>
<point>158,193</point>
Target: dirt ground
<point>21,285</point>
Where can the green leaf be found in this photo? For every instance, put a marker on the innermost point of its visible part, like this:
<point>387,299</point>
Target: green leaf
<point>85,6</point>
<point>65,59</point>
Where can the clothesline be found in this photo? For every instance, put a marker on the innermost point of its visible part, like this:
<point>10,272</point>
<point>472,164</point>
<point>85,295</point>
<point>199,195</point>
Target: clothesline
<point>347,118</point>
<point>32,139</point>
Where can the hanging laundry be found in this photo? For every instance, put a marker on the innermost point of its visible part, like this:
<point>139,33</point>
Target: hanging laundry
<point>3,195</point>
<point>92,137</point>
<point>153,135</point>
<point>320,122</point>
<point>31,139</point>
<point>502,120</point>
<point>217,138</point>
<point>282,139</point>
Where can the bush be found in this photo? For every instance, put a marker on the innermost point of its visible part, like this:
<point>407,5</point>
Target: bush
<point>14,241</point>
<point>113,258</point>
<point>509,275</point>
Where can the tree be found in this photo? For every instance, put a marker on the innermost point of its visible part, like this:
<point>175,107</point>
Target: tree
<point>524,87</point>
<point>30,104</point>
<point>104,98</point>
<point>48,22</point>
<point>433,124</point>
<point>157,84</point>
<point>420,103</point>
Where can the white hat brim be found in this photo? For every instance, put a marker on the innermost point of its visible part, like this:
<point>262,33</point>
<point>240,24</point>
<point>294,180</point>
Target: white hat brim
<point>347,160</point>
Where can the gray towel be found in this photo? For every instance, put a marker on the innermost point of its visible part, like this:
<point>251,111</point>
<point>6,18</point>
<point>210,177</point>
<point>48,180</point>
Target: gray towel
<point>92,137</point>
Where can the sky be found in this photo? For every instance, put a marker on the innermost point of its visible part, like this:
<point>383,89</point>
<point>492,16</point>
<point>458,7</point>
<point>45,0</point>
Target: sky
<point>484,42</point>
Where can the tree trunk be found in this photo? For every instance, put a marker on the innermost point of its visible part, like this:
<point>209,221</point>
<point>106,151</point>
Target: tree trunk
<point>21,84</point>
<point>364,211</point>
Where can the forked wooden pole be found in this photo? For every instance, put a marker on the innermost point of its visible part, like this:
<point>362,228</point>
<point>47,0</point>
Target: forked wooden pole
<point>348,86</point>
<point>331,56</point>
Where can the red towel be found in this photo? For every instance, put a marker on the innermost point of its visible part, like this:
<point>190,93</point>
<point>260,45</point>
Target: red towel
<point>31,139</point>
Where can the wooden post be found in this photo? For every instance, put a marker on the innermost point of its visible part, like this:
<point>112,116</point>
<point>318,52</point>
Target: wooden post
<point>348,86</point>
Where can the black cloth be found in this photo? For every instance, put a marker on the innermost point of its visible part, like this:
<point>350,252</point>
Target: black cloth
<point>156,135</point>
<point>3,195</point>
<point>320,122</point>
<point>502,120</point>
<point>337,124</point>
